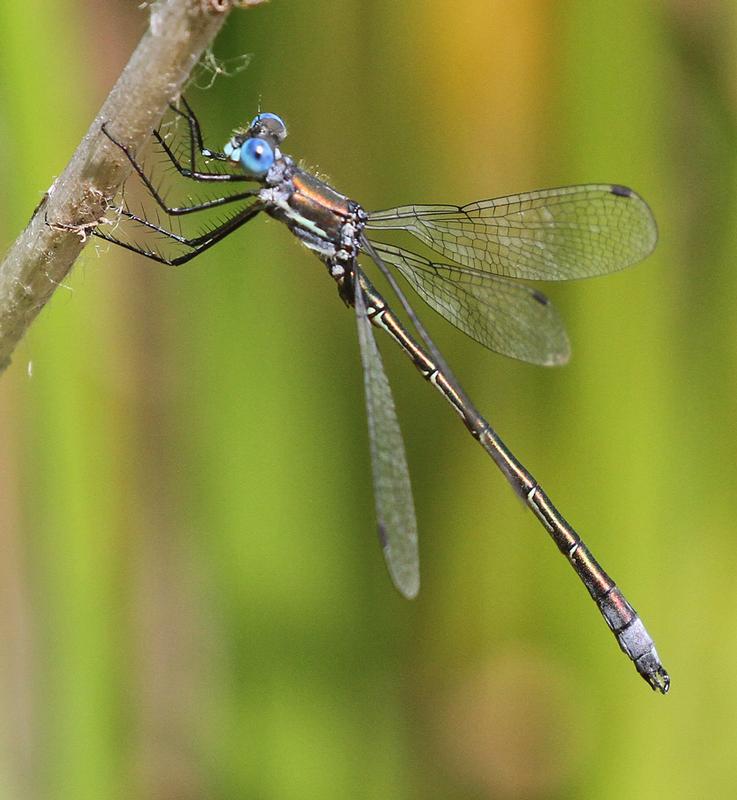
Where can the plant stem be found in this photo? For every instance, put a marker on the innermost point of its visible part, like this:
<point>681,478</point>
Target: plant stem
<point>179,31</point>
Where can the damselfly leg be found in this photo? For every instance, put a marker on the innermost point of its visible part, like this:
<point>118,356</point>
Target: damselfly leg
<point>154,192</point>
<point>194,244</point>
<point>195,140</point>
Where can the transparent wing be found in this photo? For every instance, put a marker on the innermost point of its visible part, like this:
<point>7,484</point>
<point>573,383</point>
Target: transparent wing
<point>551,234</point>
<point>509,318</point>
<point>395,508</point>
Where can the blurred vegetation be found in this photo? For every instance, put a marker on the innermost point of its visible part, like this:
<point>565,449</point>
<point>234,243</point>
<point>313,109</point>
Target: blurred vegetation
<point>193,602</point>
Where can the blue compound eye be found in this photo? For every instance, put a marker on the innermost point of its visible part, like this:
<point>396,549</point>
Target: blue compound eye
<point>257,156</point>
<point>270,124</point>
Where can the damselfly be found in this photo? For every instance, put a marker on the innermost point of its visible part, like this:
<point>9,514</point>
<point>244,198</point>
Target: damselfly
<point>552,234</point>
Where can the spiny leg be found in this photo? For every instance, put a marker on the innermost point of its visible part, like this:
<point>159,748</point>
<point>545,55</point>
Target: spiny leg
<point>195,137</point>
<point>195,134</point>
<point>198,244</point>
<point>204,177</point>
<point>174,210</point>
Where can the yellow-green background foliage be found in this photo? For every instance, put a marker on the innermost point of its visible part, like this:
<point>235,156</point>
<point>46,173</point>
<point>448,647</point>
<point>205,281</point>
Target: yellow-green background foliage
<point>193,603</point>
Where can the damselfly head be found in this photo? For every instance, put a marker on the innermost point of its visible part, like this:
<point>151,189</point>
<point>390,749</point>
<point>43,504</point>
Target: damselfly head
<point>257,147</point>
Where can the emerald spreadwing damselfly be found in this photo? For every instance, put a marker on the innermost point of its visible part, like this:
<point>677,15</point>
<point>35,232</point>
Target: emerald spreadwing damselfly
<point>486,247</point>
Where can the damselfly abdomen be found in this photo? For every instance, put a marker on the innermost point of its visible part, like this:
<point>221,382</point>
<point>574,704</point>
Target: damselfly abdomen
<point>553,234</point>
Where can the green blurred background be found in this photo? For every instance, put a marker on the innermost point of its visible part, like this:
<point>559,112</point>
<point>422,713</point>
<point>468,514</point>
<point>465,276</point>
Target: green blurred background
<point>193,602</point>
